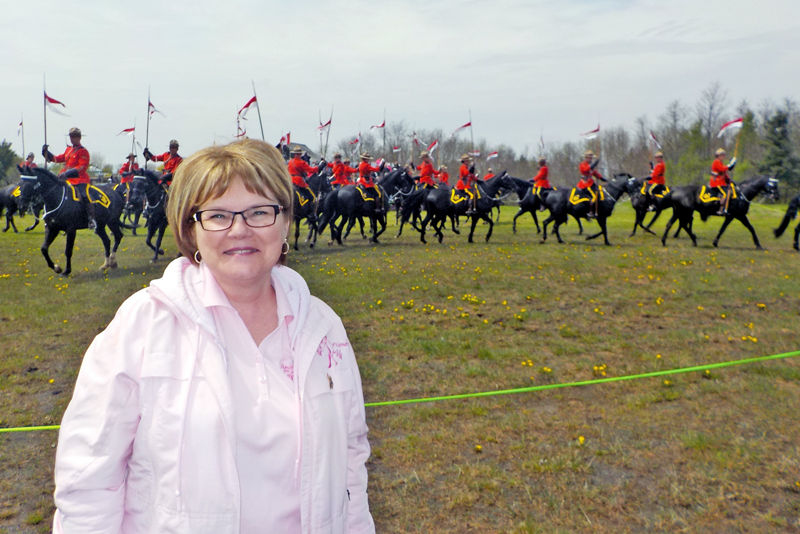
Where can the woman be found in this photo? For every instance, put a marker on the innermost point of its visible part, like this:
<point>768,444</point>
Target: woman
<point>224,398</point>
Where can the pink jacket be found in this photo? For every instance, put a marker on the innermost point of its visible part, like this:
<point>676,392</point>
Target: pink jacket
<point>147,443</point>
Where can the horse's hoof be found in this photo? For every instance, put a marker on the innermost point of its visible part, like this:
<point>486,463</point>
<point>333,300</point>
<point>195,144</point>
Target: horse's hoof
<point>112,261</point>
<point>715,243</point>
<point>161,252</point>
<point>797,247</point>
<point>759,247</point>
<point>153,260</point>
<point>57,269</point>
<point>311,245</point>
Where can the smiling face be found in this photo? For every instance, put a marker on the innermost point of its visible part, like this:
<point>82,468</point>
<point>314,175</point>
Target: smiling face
<point>241,255</point>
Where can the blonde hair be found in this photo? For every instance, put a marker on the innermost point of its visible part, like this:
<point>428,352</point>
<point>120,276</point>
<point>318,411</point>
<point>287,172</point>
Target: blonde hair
<point>207,174</point>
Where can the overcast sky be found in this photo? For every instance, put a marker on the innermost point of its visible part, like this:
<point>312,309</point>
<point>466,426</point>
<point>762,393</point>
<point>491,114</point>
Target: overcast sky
<point>521,67</point>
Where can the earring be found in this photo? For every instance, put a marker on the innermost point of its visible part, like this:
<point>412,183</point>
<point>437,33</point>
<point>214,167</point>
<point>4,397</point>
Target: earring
<point>197,257</point>
<point>285,248</point>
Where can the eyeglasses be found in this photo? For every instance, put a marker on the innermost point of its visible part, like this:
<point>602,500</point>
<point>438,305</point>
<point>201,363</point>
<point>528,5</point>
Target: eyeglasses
<point>257,217</point>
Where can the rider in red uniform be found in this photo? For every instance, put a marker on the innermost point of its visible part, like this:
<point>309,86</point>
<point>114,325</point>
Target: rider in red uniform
<point>588,173</point>
<point>126,171</point>
<point>489,174</point>
<point>365,171</point>
<point>721,180</point>
<point>339,176</point>
<point>656,183</point>
<point>349,171</point>
<point>27,164</point>
<point>444,177</point>
<point>541,182</point>
<point>426,172</point>
<point>467,180</point>
<point>76,162</point>
<point>299,170</point>
<point>171,160</point>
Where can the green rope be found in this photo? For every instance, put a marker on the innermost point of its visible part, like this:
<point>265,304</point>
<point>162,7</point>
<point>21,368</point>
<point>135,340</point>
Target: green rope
<point>532,388</point>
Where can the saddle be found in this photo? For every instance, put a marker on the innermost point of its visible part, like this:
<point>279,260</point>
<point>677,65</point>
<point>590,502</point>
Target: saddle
<point>304,195</point>
<point>712,194</point>
<point>576,196</point>
<point>96,195</point>
<point>458,195</point>
<point>367,193</point>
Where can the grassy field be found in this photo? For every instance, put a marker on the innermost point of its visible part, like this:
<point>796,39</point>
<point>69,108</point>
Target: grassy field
<point>699,452</point>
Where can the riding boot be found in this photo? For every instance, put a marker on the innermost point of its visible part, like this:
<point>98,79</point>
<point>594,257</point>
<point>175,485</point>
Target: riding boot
<point>592,213</point>
<point>471,210</point>
<point>87,203</point>
<point>721,210</point>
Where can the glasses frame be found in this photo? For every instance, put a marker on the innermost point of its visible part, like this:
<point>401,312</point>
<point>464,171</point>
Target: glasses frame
<point>196,217</point>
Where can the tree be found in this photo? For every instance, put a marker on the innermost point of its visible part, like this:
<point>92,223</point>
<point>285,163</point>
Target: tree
<point>8,162</point>
<point>710,110</point>
<point>779,159</point>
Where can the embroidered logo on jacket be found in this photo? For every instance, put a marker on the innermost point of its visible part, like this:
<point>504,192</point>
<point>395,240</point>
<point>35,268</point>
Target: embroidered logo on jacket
<point>332,351</point>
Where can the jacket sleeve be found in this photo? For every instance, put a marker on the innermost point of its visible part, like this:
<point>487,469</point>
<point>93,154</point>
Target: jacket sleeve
<point>359,518</point>
<point>96,436</point>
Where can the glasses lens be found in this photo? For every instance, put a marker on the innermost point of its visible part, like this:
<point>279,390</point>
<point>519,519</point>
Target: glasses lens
<point>261,216</point>
<point>216,219</point>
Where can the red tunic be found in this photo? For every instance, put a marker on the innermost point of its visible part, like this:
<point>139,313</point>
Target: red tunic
<point>465,178</point>
<point>76,158</point>
<point>719,174</point>
<point>488,177</point>
<point>126,168</point>
<point>587,172</point>
<point>657,176</point>
<point>341,173</point>
<point>365,171</point>
<point>540,180</point>
<point>299,169</point>
<point>170,162</point>
<point>444,178</point>
<point>426,173</point>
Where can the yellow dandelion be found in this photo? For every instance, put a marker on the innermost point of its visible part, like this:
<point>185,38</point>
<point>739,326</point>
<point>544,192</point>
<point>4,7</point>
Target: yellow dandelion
<point>700,308</point>
<point>581,440</point>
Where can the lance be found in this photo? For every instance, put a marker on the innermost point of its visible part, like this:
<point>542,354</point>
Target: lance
<point>384,132</point>
<point>44,103</point>
<point>147,133</point>
<point>736,150</point>
<point>471,136</point>
<point>258,108</point>
<point>22,130</point>
<point>328,133</point>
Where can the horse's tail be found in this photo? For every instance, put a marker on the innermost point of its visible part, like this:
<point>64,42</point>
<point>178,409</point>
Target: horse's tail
<point>791,213</point>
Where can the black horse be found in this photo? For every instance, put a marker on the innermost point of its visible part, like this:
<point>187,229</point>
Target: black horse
<point>444,202</point>
<point>529,202</point>
<point>348,202</point>
<point>9,196</point>
<point>309,209</point>
<point>133,206</point>
<point>561,205</point>
<point>791,213</point>
<point>147,185</point>
<point>642,206</point>
<point>64,212</point>
<point>686,200</point>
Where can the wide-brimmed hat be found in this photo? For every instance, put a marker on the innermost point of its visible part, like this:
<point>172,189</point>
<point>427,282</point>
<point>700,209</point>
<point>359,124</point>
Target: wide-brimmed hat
<point>336,155</point>
<point>74,131</point>
<point>297,150</point>
<point>131,155</point>
<point>442,168</point>
<point>30,155</point>
<point>542,161</point>
<point>658,154</point>
<point>366,155</point>
<point>174,143</point>
<point>346,160</point>
<point>588,153</point>
<point>424,154</point>
<point>489,170</point>
<point>464,156</point>
<point>719,151</point>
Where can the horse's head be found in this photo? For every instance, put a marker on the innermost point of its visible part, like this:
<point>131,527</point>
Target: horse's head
<point>32,187</point>
<point>137,194</point>
<point>771,189</point>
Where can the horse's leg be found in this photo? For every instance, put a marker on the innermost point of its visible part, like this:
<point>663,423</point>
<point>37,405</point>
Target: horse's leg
<point>161,230</point>
<point>580,225</point>
<point>514,221</point>
<point>491,225</point>
<point>687,225</point>
<point>746,222</point>
<point>636,222</point>
<point>101,231</point>
<point>296,232</point>
<point>361,227</point>
<point>545,222</point>
<point>35,222</point>
<point>49,237</point>
<point>728,219</point>
<point>604,226</point>
<point>536,221</point>
<point>472,228</point>
<point>669,225</point>
<point>655,216</point>
<point>797,238</point>
<point>68,251</point>
<point>424,224</point>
